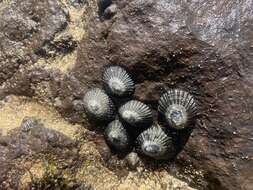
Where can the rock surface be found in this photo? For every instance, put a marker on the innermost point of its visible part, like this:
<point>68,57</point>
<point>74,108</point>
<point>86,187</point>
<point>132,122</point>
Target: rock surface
<point>26,26</point>
<point>54,154</point>
<point>204,47</point>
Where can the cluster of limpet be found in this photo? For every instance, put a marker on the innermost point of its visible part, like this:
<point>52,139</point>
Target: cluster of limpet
<point>178,108</point>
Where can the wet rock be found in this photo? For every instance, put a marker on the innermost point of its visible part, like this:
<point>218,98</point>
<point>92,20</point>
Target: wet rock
<point>168,44</point>
<point>164,44</point>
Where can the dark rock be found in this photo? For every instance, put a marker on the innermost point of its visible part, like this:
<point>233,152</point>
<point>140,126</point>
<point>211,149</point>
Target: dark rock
<point>167,44</point>
<point>25,27</point>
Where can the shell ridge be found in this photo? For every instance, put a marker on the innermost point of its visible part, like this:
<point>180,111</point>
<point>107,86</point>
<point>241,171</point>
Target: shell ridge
<point>155,136</point>
<point>123,84</point>
<point>178,107</point>
<point>104,103</point>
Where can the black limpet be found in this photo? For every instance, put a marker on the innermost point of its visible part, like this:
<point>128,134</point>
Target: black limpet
<point>98,105</point>
<point>117,136</point>
<point>178,107</point>
<point>118,82</point>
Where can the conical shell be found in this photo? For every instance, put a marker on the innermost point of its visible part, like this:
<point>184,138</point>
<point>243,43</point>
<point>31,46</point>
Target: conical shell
<point>178,107</point>
<point>103,4</point>
<point>155,143</point>
<point>116,136</point>
<point>136,113</point>
<point>98,105</point>
<point>118,82</point>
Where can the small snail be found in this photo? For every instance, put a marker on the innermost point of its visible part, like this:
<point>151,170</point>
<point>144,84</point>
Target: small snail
<point>103,4</point>
<point>155,143</point>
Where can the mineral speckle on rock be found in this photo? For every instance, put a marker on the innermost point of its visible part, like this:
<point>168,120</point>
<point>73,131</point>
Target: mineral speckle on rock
<point>103,5</point>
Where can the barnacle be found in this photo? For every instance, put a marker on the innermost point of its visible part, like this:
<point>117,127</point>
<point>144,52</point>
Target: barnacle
<point>178,107</point>
<point>28,123</point>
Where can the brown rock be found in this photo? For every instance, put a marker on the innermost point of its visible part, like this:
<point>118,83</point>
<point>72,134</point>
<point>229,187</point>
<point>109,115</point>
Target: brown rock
<point>22,145</point>
<point>167,44</point>
<point>25,27</point>
<point>204,47</point>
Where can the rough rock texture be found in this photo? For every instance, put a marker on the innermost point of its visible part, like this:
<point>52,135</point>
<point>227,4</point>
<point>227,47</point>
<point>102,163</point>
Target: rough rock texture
<point>30,144</point>
<point>25,27</point>
<point>44,151</point>
<point>204,47</point>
